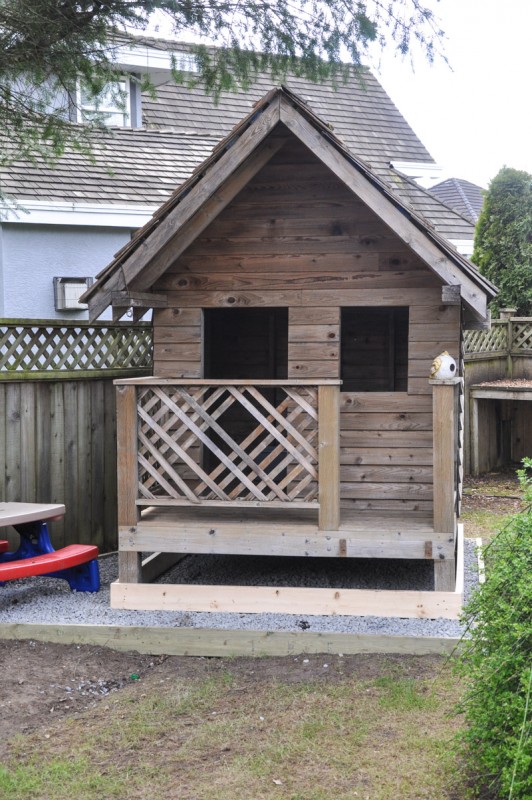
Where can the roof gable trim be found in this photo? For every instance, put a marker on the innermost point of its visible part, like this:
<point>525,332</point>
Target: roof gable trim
<point>136,268</point>
<point>382,205</point>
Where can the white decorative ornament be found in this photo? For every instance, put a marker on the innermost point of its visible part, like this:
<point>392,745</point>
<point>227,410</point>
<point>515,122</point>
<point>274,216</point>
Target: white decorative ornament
<point>443,367</point>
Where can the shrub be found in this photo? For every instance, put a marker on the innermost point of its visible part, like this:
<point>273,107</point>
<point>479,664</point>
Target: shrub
<point>496,661</point>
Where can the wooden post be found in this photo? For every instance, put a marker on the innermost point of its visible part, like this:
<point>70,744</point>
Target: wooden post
<point>474,454</point>
<point>129,564</point>
<point>445,444</point>
<point>329,457</point>
<point>506,314</point>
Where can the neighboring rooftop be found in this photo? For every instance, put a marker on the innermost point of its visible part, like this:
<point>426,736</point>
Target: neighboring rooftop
<point>182,125</point>
<point>462,196</point>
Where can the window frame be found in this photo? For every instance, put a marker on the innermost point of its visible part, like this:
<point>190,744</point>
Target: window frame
<point>83,108</point>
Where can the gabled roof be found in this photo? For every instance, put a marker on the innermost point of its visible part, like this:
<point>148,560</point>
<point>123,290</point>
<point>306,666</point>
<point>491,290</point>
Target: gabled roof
<point>462,196</point>
<point>232,164</point>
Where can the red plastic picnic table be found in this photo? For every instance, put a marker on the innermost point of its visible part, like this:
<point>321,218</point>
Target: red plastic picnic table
<point>75,563</point>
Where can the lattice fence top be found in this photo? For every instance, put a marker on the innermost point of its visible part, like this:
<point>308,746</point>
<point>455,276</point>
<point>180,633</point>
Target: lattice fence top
<point>506,336</point>
<point>522,336</point>
<point>493,341</point>
<point>210,444</point>
<point>47,348</point>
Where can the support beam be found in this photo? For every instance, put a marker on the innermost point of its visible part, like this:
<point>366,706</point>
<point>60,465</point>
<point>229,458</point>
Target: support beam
<point>445,443</point>
<point>157,564</point>
<point>329,457</point>
<point>139,299</point>
<point>126,431</point>
<point>444,575</point>
<point>473,435</point>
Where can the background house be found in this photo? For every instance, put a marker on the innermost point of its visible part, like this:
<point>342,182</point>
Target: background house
<point>463,196</point>
<point>71,220</point>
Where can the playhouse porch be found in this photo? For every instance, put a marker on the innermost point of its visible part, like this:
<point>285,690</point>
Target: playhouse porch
<point>255,468</point>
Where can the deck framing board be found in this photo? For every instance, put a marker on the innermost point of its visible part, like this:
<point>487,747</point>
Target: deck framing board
<point>219,643</point>
<point>276,538</point>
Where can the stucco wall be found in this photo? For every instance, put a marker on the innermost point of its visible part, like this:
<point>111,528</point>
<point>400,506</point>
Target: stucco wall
<point>32,255</point>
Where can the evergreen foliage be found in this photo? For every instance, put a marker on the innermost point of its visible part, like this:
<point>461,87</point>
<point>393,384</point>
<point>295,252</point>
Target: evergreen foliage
<point>503,240</point>
<point>497,663</point>
<point>46,45</point>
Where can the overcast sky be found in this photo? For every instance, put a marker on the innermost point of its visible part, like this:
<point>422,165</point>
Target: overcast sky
<point>478,117</point>
<point>475,116</point>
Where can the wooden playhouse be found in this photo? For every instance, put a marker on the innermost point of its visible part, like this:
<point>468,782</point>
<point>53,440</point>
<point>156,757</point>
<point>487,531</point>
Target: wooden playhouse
<point>298,304</point>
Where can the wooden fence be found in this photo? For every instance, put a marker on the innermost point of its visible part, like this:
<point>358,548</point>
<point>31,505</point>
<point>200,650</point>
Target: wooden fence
<point>498,429</point>
<point>509,337</point>
<point>57,418</point>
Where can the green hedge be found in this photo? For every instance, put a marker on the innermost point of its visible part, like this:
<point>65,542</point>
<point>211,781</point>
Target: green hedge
<point>496,663</point>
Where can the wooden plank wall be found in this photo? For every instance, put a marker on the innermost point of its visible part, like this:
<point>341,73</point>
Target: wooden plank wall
<point>297,237</point>
<point>58,445</point>
<point>520,412</point>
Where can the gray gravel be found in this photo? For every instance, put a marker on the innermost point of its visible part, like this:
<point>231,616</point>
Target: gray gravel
<point>44,600</point>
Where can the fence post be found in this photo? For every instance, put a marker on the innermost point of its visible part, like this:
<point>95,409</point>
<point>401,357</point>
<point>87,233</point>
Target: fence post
<point>507,314</point>
<point>129,563</point>
<point>329,457</point>
<point>444,490</point>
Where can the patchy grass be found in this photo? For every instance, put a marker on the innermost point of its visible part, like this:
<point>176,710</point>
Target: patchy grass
<point>234,738</point>
<point>482,522</point>
<point>488,503</point>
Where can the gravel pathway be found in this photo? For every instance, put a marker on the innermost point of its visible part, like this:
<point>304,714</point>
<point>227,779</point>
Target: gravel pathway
<point>42,600</point>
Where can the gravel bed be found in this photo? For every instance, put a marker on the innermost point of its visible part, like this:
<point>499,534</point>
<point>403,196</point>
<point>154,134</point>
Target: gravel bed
<point>47,601</point>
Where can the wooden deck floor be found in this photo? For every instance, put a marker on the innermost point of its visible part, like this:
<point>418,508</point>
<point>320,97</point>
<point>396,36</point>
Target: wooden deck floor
<point>277,532</point>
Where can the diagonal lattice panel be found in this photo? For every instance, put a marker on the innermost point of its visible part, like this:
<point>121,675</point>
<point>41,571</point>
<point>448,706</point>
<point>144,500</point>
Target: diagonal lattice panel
<point>274,461</point>
<point>521,336</point>
<point>167,420</point>
<point>206,440</point>
<point>493,341</point>
<point>58,347</point>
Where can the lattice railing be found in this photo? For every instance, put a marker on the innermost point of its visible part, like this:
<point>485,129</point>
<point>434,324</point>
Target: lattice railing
<point>495,340</point>
<point>45,348</point>
<point>227,443</point>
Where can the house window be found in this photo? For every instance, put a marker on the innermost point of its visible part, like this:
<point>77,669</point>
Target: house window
<point>374,349</point>
<point>111,106</point>
<point>67,292</point>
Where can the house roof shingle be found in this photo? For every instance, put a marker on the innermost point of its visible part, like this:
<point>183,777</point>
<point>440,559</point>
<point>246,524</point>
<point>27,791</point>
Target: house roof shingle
<point>143,166</point>
<point>464,197</point>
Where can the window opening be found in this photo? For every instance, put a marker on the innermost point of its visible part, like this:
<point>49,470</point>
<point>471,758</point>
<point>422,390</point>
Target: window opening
<point>374,349</point>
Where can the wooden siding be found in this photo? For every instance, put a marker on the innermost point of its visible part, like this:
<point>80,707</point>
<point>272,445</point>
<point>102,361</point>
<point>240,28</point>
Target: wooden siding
<point>296,237</point>
<point>58,445</point>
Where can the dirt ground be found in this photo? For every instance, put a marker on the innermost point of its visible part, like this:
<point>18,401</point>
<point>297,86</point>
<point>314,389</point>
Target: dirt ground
<point>42,683</point>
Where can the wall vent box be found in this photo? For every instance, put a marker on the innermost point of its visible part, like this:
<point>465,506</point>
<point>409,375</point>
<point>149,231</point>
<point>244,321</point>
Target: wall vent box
<point>67,292</point>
